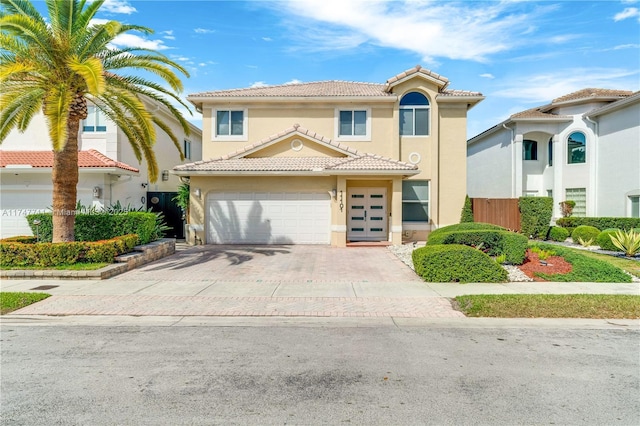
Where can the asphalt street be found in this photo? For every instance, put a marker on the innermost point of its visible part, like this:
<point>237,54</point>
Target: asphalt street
<point>315,375</point>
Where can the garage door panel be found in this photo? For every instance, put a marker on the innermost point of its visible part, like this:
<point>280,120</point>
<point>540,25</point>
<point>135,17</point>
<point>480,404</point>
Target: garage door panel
<point>274,218</point>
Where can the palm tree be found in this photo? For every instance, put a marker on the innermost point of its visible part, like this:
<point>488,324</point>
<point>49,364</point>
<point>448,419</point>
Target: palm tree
<point>62,65</point>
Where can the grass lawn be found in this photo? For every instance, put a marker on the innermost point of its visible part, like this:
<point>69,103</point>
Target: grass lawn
<point>80,266</point>
<point>13,301</point>
<point>631,266</point>
<point>605,306</point>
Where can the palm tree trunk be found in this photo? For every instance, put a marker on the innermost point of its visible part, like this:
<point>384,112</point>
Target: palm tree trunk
<point>65,183</point>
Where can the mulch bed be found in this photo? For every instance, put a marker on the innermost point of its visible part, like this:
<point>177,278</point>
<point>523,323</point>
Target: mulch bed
<point>555,265</point>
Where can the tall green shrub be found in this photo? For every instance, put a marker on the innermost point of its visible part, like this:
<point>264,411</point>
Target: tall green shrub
<point>467,211</point>
<point>492,241</point>
<point>535,215</point>
<point>456,263</point>
<point>602,223</point>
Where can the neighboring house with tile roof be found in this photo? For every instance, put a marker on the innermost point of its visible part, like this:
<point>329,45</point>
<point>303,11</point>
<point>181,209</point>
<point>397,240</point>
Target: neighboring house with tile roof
<point>330,162</point>
<point>583,146</point>
<point>109,170</point>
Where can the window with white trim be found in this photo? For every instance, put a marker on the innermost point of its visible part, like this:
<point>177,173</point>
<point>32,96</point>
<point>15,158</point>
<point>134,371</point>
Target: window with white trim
<point>352,123</point>
<point>529,150</point>
<point>415,200</point>
<point>230,124</point>
<point>96,121</point>
<point>635,205</point>
<point>576,148</point>
<point>414,115</point>
<point>187,149</point>
<point>579,196</point>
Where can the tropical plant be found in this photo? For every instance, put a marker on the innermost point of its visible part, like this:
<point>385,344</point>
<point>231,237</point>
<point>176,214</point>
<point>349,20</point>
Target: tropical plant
<point>59,66</point>
<point>182,199</point>
<point>566,207</point>
<point>627,241</point>
<point>585,242</point>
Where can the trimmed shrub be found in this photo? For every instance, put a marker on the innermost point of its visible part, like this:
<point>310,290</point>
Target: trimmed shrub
<point>53,254</point>
<point>584,269</point>
<point>585,233</point>
<point>24,239</point>
<point>535,215</point>
<point>468,226</point>
<point>602,223</point>
<point>100,226</point>
<point>557,233</point>
<point>467,211</point>
<point>491,241</point>
<point>456,263</point>
<point>604,240</point>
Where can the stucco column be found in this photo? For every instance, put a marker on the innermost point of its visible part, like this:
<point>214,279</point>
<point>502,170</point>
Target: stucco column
<point>517,161</point>
<point>396,212</point>
<point>558,167</point>
<point>339,214</point>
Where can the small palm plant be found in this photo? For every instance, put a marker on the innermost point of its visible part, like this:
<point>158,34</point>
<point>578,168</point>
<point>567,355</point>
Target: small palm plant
<point>628,242</point>
<point>585,242</point>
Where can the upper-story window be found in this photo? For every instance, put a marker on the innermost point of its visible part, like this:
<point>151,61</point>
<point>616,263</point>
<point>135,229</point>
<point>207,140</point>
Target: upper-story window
<point>353,124</point>
<point>95,121</point>
<point>187,149</point>
<point>230,124</point>
<point>576,148</point>
<point>414,115</point>
<point>529,150</point>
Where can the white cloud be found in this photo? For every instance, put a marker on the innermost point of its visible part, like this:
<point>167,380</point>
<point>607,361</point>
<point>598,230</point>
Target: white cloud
<point>455,30</point>
<point>118,6</point>
<point>203,31</point>
<point>294,81</point>
<point>487,75</point>
<point>132,40</point>
<point>267,39</point>
<point>626,46</point>
<point>542,88</point>
<point>629,12</point>
<point>258,84</point>
<point>168,35</point>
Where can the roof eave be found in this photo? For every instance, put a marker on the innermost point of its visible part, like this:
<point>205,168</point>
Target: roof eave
<point>92,170</point>
<point>613,106</point>
<point>471,101</point>
<point>201,100</point>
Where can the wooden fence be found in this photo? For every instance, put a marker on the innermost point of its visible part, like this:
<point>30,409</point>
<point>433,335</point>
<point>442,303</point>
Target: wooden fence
<point>498,211</point>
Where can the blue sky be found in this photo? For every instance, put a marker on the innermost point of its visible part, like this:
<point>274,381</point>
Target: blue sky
<point>519,54</point>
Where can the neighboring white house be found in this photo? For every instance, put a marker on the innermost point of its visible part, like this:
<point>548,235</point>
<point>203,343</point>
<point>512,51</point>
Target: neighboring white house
<point>584,146</point>
<point>109,170</point>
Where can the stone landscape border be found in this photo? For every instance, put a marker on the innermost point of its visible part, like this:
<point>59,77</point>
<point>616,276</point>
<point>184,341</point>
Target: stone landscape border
<point>140,256</point>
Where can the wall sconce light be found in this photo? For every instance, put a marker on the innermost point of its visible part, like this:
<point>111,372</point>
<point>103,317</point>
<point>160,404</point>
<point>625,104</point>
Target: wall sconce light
<point>197,192</point>
<point>165,175</point>
<point>334,193</point>
<point>96,192</point>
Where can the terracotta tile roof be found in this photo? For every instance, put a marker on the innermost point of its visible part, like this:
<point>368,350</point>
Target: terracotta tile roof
<point>593,93</point>
<point>331,88</point>
<point>44,159</point>
<point>352,160</point>
<point>536,113</point>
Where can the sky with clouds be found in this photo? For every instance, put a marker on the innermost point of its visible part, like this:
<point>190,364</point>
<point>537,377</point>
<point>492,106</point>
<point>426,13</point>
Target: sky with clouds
<point>519,54</point>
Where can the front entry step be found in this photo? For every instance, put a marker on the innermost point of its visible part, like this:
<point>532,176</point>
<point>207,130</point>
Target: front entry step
<point>369,243</point>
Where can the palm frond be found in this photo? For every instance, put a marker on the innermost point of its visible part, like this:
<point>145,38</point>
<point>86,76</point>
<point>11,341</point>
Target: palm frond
<point>91,71</point>
<point>56,110</point>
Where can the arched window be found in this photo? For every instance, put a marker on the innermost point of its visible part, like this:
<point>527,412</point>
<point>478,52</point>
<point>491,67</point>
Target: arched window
<point>529,150</point>
<point>576,148</point>
<point>414,115</point>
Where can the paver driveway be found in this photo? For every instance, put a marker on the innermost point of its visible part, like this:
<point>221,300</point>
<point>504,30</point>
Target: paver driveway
<point>294,263</point>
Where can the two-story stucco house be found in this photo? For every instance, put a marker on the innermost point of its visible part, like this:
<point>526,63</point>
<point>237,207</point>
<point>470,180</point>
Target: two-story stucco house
<point>584,147</point>
<point>109,170</point>
<point>330,162</point>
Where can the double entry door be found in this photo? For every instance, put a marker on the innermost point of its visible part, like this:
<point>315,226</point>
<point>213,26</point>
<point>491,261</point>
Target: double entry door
<point>367,214</point>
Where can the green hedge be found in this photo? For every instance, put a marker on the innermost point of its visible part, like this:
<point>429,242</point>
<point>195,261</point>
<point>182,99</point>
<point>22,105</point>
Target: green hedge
<point>584,269</point>
<point>52,254</point>
<point>604,240</point>
<point>467,211</point>
<point>535,215</point>
<point>456,263</point>
<point>557,233</point>
<point>467,226</point>
<point>586,233</point>
<point>602,223</point>
<point>100,226</point>
<point>491,241</point>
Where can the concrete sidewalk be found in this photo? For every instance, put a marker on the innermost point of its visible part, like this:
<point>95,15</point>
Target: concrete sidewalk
<point>277,298</point>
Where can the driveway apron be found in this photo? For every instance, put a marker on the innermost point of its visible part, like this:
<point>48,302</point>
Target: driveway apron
<point>229,280</point>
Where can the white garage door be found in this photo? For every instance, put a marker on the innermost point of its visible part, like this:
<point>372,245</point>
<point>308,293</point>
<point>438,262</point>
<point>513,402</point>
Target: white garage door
<point>268,218</point>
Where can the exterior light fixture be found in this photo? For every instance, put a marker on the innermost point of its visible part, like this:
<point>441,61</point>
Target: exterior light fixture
<point>165,175</point>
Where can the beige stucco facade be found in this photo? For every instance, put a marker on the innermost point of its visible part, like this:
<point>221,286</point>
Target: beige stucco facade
<point>296,126</point>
